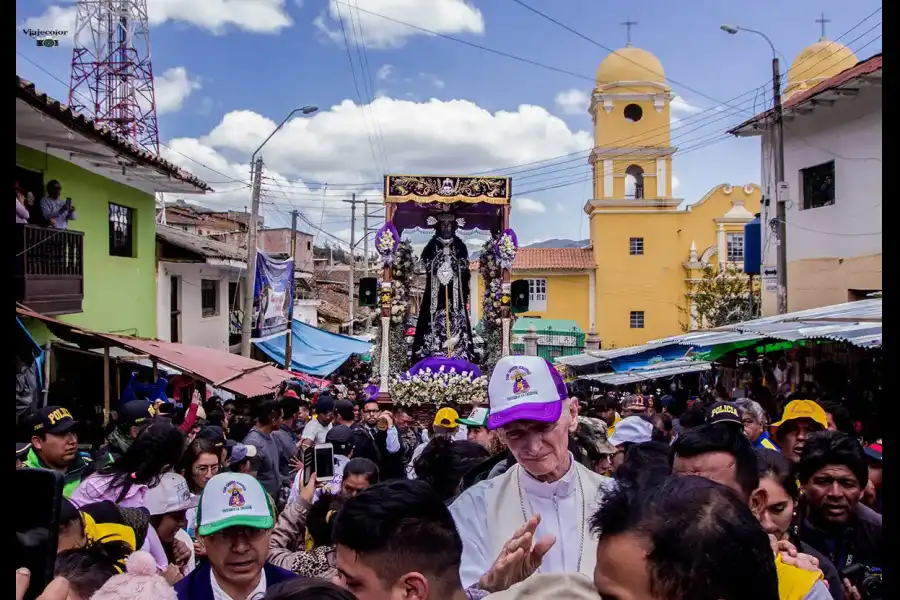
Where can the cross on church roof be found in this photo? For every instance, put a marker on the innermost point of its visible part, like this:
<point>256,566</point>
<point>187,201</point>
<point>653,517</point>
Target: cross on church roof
<point>821,21</point>
<point>628,23</point>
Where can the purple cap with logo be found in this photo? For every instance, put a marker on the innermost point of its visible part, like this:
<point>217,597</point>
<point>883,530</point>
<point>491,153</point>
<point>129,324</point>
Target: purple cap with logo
<point>525,388</point>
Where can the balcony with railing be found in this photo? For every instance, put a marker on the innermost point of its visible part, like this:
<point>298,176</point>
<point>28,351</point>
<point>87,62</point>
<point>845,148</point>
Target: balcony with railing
<point>49,269</point>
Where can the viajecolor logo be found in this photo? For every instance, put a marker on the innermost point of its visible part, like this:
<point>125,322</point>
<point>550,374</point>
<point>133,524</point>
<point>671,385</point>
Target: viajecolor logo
<point>46,38</point>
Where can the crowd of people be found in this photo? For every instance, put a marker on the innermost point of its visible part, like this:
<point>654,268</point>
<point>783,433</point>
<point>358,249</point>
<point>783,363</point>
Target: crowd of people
<point>541,494</point>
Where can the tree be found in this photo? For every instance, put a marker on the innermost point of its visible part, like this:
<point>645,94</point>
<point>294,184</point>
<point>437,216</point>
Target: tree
<point>721,298</point>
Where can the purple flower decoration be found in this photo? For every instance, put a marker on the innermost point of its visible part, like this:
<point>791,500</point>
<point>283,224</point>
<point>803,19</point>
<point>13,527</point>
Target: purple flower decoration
<point>386,241</point>
<point>507,245</point>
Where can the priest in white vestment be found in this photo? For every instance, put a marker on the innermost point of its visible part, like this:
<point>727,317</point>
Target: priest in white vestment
<point>531,410</point>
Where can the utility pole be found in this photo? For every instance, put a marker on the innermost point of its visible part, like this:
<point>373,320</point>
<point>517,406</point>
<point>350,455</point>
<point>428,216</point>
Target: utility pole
<point>247,317</point>
<point>352,257</point>
<point>365,237</point>
<point>289,343</point>
<point>780,190</point>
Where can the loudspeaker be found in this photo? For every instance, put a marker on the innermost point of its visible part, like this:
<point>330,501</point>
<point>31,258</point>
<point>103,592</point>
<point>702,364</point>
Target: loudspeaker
<point>368,292</point>
<point>518,296</point>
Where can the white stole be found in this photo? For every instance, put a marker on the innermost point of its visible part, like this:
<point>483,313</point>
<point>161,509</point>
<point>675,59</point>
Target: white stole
<point>505,512</point>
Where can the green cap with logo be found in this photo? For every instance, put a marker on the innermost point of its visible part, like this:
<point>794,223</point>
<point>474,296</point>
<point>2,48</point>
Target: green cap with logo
<point>478,418</point>
<point>234,500</point>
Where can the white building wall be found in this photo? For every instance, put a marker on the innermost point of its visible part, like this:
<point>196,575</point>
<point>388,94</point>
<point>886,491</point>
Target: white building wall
<point>307,311</point>
<point>849,132</point>
<point>196,330</point>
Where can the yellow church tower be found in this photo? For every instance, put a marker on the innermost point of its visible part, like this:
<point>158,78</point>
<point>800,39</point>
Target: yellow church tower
<point>817,62</point>
<point>649,248</point>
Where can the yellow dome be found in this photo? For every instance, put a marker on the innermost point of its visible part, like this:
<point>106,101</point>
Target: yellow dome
<point>818,62</point>
<point>630,64</point>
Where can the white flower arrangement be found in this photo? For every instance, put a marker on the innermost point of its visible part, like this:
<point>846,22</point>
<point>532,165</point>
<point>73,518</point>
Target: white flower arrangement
<point>439,387</point>
<point>507,245</point>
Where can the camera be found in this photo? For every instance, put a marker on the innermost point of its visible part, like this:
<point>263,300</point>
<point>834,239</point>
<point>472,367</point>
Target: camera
<point>866,579</point>
<point>47,43</point>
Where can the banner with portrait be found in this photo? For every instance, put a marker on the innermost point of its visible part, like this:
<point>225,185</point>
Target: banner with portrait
<point>273,294</point>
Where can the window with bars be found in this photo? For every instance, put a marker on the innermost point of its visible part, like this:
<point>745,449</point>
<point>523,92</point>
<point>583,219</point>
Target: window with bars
<point>636,246</point>
<point>209,297</point>
<point>818,185</point>
<point>537,294</point>
<point>735,247</point>
<point>121,231</point>
<point>636,319</point>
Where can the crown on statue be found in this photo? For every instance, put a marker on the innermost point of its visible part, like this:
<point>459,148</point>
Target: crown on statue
<point>445,217</point>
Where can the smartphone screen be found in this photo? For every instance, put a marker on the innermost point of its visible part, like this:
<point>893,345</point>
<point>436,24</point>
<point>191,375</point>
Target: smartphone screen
<point>324,462</point>
<point>38,502</point>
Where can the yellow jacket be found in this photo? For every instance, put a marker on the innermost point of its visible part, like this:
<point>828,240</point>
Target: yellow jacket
<point>794,583</point>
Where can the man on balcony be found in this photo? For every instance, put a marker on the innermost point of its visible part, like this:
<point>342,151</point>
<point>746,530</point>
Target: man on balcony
<point>56,210</point>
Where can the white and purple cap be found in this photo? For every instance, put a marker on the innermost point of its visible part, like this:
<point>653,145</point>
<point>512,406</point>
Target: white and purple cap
<point>525,388</point>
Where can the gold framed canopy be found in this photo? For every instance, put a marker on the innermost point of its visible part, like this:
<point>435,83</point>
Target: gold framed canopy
<point>446,189</point>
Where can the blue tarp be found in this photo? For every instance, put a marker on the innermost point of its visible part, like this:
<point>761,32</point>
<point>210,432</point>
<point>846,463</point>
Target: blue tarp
<point>314,351</point>
<point>649,358</point>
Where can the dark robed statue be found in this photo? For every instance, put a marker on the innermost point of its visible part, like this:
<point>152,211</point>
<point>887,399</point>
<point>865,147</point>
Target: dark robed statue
<point>443,328</point>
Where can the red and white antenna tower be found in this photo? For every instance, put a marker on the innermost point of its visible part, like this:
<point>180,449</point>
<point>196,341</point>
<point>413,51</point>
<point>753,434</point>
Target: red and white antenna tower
<point>112,78</point>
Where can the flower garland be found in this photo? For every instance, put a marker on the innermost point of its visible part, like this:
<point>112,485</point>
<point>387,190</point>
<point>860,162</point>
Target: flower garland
<point>439,387</point>
<point>507,246</point>
<point>489,266</point>
<point>397,300</point>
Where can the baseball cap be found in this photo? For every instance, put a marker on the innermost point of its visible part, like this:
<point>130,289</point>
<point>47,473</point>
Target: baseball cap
<point>344,409</point>
<point>478,418</point>
<point>873,450</point>
<point>803,409</point>
<point>290,394</point>
<point>592,432</point>
<point>446,417</point>
<point>324,403</point>
<point>238,451</point>
<point>636,402</point>
<point>170,495</point>
<point>339,434</point>
<point>631,430</point>
<point>233,500</point>
<point>724,412</point>
<point>52,419</point>
<point>525,388</point>
<point>213,433</point>
<point>136,412</point>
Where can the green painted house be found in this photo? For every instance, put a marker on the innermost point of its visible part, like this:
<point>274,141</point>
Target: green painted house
<point>100,273</point>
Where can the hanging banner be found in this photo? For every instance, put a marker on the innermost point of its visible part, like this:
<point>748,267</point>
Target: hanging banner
<point>272,295</point>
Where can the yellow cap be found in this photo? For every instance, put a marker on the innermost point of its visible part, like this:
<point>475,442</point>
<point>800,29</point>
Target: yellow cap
<point>446,417</point>
<point>803,409</point>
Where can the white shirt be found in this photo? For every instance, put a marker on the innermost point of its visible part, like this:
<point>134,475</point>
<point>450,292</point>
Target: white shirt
<point>558,505</point>
<point>219,594</point>
<point>315,431</point>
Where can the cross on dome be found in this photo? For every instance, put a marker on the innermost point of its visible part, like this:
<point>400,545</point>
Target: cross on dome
<point>628,24</point>
<point>822,21</point>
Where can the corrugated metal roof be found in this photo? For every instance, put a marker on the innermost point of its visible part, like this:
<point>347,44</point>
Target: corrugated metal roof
<point>657,371</point>
<point>235,373</point>
<point>198,244</point>
<point>700,339</point>
<point>578,360</point>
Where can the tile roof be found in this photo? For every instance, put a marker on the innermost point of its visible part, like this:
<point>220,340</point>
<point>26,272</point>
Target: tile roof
<point>26,91</point>
<point>551,259</point>
<point>860,69</point>
<point>198,244</point>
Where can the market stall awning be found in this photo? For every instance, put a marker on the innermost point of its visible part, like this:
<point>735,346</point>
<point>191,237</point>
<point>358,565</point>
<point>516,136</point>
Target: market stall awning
<point>313,350</point>
<point>662,370</point>
<point>235,373</point>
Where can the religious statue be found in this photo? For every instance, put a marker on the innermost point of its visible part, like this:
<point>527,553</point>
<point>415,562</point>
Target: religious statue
<point>444,328</point>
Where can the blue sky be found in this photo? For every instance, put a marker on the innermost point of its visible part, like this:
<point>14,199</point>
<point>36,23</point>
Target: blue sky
<point>229,70</point>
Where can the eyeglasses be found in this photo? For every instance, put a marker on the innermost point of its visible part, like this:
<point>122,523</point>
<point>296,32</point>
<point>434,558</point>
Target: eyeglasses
<point>206,469</point>
<point>331,557</point>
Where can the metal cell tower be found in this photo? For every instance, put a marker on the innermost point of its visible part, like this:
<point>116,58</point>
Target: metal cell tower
<point>112,78</point>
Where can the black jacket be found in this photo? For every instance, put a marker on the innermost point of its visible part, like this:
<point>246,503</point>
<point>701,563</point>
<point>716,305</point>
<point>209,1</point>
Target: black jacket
<point>860,541</point>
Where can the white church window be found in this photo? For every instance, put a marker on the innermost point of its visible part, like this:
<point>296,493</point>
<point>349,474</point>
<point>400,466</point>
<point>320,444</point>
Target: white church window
<point>735,247</point>
<point>537,294</point>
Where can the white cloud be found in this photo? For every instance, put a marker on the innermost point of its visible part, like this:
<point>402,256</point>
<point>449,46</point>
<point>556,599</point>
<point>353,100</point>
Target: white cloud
<point>216,16</point>
<point>384,71</point>
<point>679,108</point>
<point>455,136</point>
<point>440,16</point>
<point>433,80</point>
<point>573,102</point>
<point>528,205</point>
<point>172,88</point>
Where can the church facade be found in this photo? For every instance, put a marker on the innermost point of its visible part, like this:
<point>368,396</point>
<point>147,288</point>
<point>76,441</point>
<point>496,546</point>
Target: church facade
<point>648,249</point>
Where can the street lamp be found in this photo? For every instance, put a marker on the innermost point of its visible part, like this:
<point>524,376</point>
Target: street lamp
<point>778,140</point>
<point>256,181</point>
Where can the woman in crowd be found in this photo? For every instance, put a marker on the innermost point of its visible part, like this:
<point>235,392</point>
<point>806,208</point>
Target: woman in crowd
<point>778,481</point>
<point>126,481</point>
<point>201,461</point>
<point>88,568</point>
<point>301,541</point>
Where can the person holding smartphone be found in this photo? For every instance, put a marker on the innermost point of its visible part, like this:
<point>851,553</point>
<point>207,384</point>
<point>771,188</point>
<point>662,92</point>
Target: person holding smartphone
<point>56,210</point>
